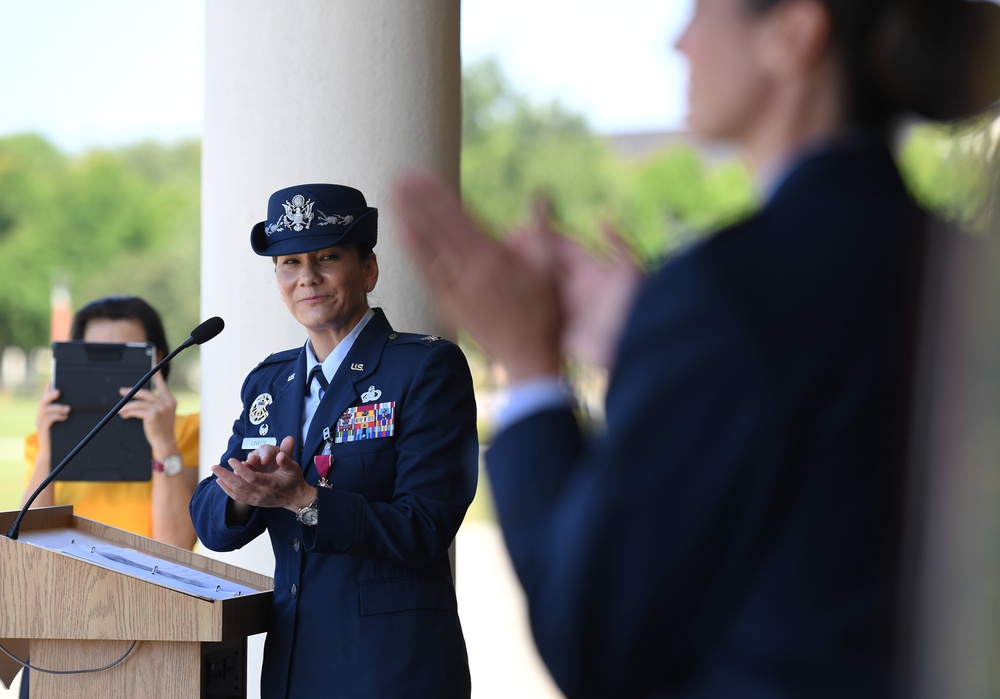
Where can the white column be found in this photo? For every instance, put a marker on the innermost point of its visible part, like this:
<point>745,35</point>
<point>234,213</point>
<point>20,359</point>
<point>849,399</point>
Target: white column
<point>347,91</point>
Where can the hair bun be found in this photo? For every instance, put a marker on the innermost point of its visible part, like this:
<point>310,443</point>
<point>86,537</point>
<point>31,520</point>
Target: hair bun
<point>940,58</point>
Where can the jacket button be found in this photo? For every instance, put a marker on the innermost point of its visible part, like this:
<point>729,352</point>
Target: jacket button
<point>296,545</point>
<point>295,591</point>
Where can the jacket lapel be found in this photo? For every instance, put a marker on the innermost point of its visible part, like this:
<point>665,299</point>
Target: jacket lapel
<point>343,392</point>
<point>288,393</point>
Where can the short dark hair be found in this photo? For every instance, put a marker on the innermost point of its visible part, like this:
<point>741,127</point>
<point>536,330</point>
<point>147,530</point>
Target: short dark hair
<point>124,308</point>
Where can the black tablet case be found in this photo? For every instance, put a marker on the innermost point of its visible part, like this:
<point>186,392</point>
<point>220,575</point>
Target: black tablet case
<point>88,376</point>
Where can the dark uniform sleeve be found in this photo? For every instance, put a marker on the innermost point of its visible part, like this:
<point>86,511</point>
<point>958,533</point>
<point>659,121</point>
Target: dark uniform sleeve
<point>614,536</point>
<point>208,504</point>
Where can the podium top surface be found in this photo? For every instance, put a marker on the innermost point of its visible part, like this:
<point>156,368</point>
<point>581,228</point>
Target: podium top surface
<point>158,570</point>
<point>45,524</point>
<point>71,578</point>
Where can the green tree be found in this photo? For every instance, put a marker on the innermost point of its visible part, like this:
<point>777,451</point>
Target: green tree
<point>105,222</point>
<point>951,169</point>
<point>513,150</point>
<point>32,173</point>
<point>676,197</point>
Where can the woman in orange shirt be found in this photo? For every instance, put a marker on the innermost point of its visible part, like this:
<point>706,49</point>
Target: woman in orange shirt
<point>157,508</point>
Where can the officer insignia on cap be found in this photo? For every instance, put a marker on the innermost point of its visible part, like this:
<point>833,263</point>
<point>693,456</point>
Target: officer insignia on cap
<point>298,215</point>
<point>334,220</point>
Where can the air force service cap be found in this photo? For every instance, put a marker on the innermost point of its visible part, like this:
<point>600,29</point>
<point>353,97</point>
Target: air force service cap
<point>309,217</point>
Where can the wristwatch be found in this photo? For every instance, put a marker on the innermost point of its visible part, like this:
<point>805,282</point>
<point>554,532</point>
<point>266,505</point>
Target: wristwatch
<point>309,514</point>
<point>172,465</point>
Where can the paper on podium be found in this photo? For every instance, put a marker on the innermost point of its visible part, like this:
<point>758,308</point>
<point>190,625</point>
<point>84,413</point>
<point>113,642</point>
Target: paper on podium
<point>139,565</point>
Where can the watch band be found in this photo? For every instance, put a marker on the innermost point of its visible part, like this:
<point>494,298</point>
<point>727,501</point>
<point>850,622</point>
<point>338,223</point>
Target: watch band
<point>309,514</point>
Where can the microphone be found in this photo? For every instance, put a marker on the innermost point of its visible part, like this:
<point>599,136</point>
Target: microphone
<point>200,335</point>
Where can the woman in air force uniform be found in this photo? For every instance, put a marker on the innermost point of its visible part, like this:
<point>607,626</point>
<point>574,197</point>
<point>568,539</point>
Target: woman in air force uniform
<point>357,453</point>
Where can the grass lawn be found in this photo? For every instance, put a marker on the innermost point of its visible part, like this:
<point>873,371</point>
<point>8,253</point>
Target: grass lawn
<point>18,421</point>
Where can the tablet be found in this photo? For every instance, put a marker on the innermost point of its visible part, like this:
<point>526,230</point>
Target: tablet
<point>88,376</point>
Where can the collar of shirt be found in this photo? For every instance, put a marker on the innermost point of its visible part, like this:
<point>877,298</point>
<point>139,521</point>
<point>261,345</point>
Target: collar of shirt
<point>336,358</point>
<point>330,366</point>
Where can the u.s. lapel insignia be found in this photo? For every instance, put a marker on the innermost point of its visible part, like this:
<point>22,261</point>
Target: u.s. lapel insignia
<point>258,409</point>
<point>357,366</point>
<point>291,377</point>
<point>371,395</point>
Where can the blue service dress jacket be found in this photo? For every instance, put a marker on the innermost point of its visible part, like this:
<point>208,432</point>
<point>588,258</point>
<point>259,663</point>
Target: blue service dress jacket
<point>364,602</point>
<point>733,530</point>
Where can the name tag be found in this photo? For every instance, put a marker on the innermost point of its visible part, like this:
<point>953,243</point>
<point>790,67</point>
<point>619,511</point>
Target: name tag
<point>251,443</point>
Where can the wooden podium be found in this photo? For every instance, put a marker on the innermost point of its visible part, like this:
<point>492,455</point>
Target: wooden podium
<point>71,614</point>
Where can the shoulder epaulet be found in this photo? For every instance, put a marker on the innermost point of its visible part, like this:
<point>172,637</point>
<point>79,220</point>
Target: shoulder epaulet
<point>282,356</point>
<point>414,338</point>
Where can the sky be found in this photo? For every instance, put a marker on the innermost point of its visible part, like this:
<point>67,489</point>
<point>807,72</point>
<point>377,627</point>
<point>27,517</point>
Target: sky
<point>111,72</point>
